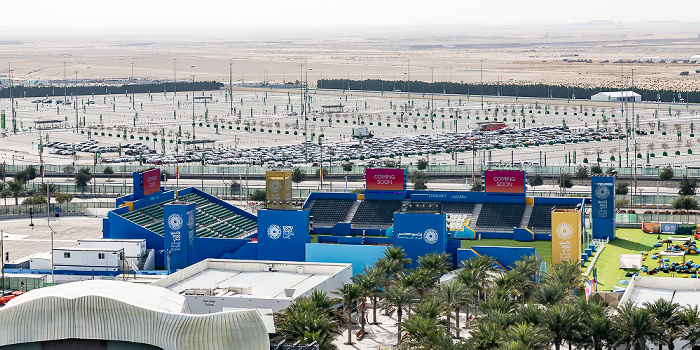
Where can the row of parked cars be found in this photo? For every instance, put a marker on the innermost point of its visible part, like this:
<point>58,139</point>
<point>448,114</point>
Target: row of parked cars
<point>368,150</point>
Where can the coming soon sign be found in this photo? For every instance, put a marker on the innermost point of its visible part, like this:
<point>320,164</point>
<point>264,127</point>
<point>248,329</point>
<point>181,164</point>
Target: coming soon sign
<point>385,180</point>
<point>505,181</point>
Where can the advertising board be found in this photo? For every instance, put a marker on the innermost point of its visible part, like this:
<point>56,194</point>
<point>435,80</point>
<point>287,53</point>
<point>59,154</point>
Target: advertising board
<point>151,181</point>
<point>385,180</point>
<point>420,234</point>
<point>566,235</point>
<point>505,181</point>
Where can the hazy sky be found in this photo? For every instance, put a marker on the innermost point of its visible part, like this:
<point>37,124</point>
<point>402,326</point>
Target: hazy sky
<point>168,14</point>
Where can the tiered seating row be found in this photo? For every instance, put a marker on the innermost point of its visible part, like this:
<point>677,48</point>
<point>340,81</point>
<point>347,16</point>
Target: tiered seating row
<point>330,211</point>
<point>500,215</point>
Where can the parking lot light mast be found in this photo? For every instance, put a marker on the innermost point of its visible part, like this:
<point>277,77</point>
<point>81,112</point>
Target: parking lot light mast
<point>75,103</point>
<point>193,128</point>
<point>230,83</point>
<point>12,100</point>
<point>482,83</point>
<point>133,98</point>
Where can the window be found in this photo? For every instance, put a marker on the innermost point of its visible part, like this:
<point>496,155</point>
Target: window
<point>101,256</point>
<point>66,255</point>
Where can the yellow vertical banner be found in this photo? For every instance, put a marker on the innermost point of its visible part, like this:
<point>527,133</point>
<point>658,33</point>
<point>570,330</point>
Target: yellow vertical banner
<point>279,189</point>
<point>566,235</point>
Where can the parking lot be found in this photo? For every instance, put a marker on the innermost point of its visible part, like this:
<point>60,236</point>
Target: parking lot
<point>264,126</point>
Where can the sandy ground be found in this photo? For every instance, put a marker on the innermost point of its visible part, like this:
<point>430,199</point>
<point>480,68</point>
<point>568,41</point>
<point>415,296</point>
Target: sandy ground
<point>455,53</point>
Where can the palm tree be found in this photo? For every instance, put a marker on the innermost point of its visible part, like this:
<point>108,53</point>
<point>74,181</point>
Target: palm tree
<point>454,295</point>
<point>326,303</point>
<point>305,321</point>
<point>691,320</point>
<point>16,188</point>
<point>486,334</point>
<point>531,313</point>
<point>399,296</point>
<point>635,327</point>
<point>561,321</point>
<point>667,314</point>
<point>567,273</point>
<point>52,189</point>
<point>4,191</point>
<point>368,282</point>
<point>527,336</point>
<point>598,327</point>
<point>475,272</point>
<point>436,264</point>
<point>397,254</point>
<point>550,293</point>
<point>527,274</point>
<point>350,293</point>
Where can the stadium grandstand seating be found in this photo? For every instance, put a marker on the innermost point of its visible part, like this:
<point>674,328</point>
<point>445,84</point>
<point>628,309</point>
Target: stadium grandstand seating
<point>213,220</point>
<point>458,207</point>
<point>423,207</point>
<point>500,216</point>
<point>373,213</point>
<point>328,212</point>
<point>541,217</point>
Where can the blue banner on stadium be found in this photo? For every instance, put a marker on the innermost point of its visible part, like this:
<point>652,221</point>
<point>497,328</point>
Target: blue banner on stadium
<point>420,234</point>
<point>603,197</point>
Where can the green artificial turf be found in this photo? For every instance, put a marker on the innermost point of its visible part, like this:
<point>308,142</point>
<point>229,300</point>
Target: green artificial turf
<point>544,248</point>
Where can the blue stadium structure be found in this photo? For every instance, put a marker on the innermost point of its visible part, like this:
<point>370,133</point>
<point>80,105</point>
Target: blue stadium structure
<point>189,225</point>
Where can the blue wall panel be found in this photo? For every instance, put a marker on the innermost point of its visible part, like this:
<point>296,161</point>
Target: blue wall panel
<point>282,234</point>
<point>359,256</point>
<point>452,247</point>
<point>464,254</point>
<point>420,234</point>
<point>248,251</point>
<point>505,256</point>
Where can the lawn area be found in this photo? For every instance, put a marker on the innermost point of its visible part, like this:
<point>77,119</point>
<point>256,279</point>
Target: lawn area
<point>544,248</point>
<point>629,241</point>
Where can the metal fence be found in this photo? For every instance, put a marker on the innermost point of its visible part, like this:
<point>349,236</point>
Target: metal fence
<point>228,171</point>
<point>653,217</point>
<point>38,209</point>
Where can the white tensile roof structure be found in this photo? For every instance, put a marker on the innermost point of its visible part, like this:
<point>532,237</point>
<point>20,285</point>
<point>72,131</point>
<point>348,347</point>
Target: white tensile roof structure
<point>125,312</point>
<point>642,289</point>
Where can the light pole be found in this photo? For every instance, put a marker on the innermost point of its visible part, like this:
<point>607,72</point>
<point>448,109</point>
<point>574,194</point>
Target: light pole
<point>193,128</point>
<point>175,78</point>
<point>133,98</point>
<point>75,103</point>
<point>12,100</point>
<point>230,83</point>
<point>481,61</point>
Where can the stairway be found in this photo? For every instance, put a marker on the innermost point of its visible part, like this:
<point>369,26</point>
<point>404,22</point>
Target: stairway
<point>475,215</point>
<point>352,211</point>
<point>526,215</point>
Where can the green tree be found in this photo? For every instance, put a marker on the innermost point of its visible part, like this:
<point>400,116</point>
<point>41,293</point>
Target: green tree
<point>347,167</point>
<point>319,170</point>
<point>35,199</point>
<point>560,321</point>
<point>63,198</point>
<point>419,179</point>
<point>258,195</point>
<point>477,186</point>
<point>486,334</point>
<point>4,191</point>
<point>83,178</point>
<point>581,172</point>
<point>109,171</point>
<point>687,186</point>
<point>306,322</point>
<point>610,171</point>
<point>397,254</point>
<point>527,336</point>
<point>666,173</point>
<point>454,294</point>
<point>669,315</point>
<point>370,279</point>
<point>389,164</point>
<point>622,188</point>
<point>349,293</point>
<point>564,181</point>
<point>634,327</point>
<point>536,180</point>
<point>691,320</point>
<point>422,164</point>
<point>399,296</point>
<point>596,169</point>
<point>435,264</point>
<point>16,188</point>
<point>685,202</point>
<point>298,176</point>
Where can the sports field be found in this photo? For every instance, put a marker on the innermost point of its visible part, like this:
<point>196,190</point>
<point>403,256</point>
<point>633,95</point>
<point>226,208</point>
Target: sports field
<point>544,248</point>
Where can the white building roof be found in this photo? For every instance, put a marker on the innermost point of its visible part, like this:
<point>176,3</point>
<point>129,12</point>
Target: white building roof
<point>267,279</point>
<point>125,312</point>
<point>143,296</point>
<point>616,94</point>
<point>648,289</point>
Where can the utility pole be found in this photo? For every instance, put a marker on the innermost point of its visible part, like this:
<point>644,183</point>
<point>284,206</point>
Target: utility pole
<point>408,80</point>
<point>303,111</point>
<point>65,84</point>
<point>175,77</point>
<point>482,83</point>
<point>432,96</point>
<point>12,101</point>
<point>133,99</point>
<point>193,128</point>
<point>230,83</point>
<point>632,89</point>
<point>75,103</point>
